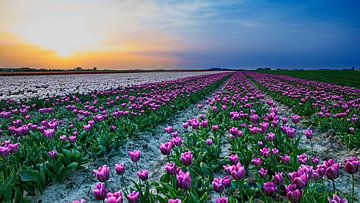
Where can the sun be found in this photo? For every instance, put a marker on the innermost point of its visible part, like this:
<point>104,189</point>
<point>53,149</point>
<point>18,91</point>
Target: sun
<point>63,34</point>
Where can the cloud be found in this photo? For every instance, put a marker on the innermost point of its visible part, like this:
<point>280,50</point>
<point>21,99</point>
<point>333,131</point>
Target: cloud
<point>183,33</point>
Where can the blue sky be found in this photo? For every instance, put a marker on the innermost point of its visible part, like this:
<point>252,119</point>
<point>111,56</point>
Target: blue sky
<point>127,34</point>
<point>305,34</point>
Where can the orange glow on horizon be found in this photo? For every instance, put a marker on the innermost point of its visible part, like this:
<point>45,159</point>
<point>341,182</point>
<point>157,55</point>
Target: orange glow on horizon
<point>15,52</point>
<point>68,34</point>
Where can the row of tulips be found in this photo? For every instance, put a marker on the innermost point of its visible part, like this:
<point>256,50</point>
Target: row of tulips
<point>328,106</point>
<point>264,160</point>
<point>47,140</point>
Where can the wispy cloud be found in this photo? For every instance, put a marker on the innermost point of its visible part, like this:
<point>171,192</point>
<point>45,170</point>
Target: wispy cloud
<point>180,33</point>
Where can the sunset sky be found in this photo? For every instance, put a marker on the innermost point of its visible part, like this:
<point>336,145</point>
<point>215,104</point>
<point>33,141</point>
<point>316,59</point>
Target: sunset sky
<point>128,34</point>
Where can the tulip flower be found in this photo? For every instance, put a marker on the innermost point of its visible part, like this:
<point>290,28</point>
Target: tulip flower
<point>293,194</point>
<point>262,172</point>
<point>100,191</point>
<point>265,152</point>
<point>176,141</point>
<point>184,180</point>
<point>352,167</point>
<point>278,179</point>
<point>337,199</point>
<point>134,155</point>
<point>209,142</point>
<point>120,169</point>
<point>222,200</point>
<point>315,160</point>
<point>234,159</point>
<point>53,154</point>
<point>186,158</point>
<point>174,201</point>
<point>170,168</point>
<point>256,161</point>
<point>133,197</point>
<point>309,134</point>
<point>218,185</point>
<point>285,159</point>
<point>63,138</point>
<point>143,175</point>
<point>269,188</point>
<point>270,137</point>
<point>215,128</point>
<point>238,172</point>
<point>49,133</point>
<point>302,158</point>
<point>114,197</point>
<point>166,148</point>
<point>103,173</point>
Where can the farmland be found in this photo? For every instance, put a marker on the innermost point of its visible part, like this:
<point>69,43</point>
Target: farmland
<point>343,78</point>
<point>180,137</point>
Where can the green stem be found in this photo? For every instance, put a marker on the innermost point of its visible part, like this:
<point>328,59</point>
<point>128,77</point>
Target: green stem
<point>333,182</point>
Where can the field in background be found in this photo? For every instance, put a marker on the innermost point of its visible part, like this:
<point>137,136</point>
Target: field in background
<point>344,78</point>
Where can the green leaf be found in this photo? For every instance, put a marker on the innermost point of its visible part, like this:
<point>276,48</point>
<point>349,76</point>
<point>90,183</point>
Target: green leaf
<point>33,176</point>
<point>204,197</point>
<point>193,198</point>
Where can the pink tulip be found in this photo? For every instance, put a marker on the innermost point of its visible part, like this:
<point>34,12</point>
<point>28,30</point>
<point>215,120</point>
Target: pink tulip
<point>135,155</point>
<point>186,158</point>
<point>103,173</point>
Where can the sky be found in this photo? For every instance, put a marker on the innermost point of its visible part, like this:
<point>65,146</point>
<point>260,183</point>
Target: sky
<point>181,34</point>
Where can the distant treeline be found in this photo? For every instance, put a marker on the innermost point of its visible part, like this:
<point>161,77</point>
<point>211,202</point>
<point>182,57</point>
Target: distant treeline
<point>300,69</point>
<point>79,70</point>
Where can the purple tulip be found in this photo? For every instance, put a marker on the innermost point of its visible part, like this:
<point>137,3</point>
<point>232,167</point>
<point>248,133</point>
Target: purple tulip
<point>186,158</point>
<point>302,158</point>
<point>285,159</point>
<point>215,128</point>
<point>133,197</point>
<point>265,152</point>
<point>114,197</point>
<point>49,133</point>
<point>269,188</point>
<point>278,179</point>
<point>256,161</point>
<point>184,180</point>
<point>337,199</point>
<point>333,171</point>
<point>134,155</point>
<point>270,137</point>
<point>315,160</point>
<point>222,200</point>
<point>166,148</point>
<point>143,175</point>
<point>168,129</point>
<point>209,142</point>
<point>100,191</point>
<point>352,165</point>
<point>234,159</point>
<point>238,172</point>
<point>174,201</point>
<point>170,168</point>
<point>53,154</point>
<point>262,172</point>
<point>103,173</point>
<point>309,134</point>
<point>120,169</point>
<point>72,138</point>
<point>63,138</point>
<point>294,195</point>
<point>218,185</point>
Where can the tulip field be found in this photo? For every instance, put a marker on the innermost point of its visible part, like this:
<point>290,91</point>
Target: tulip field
<point>192,138</point>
